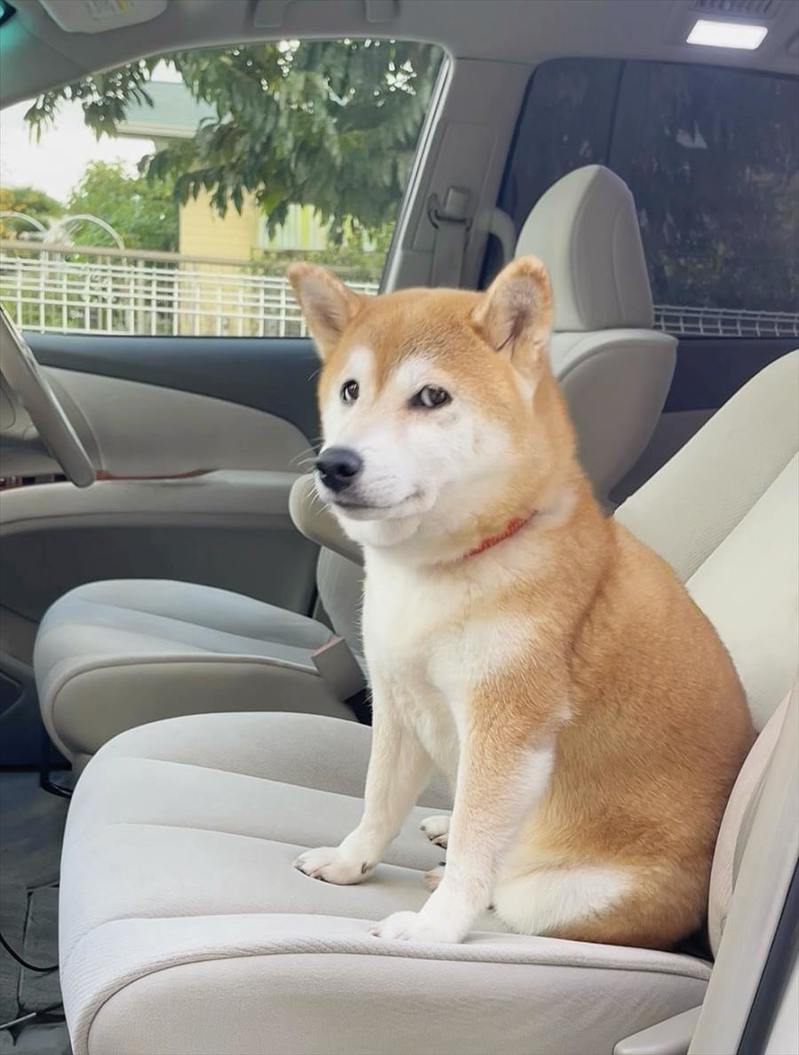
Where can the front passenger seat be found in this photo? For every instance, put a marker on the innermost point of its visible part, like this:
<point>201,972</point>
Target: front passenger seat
<point>184,927</point>
<point>117,654</point>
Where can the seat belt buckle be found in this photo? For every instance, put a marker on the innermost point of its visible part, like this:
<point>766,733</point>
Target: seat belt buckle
<point>342,674</point>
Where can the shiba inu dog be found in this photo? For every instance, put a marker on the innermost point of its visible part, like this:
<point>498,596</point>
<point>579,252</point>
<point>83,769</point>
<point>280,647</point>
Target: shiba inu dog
<point>588,717</point>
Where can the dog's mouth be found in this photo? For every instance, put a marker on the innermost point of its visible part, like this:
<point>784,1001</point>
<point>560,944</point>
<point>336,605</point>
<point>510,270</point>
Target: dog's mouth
<point>350,503</point>
<point>358,509</point>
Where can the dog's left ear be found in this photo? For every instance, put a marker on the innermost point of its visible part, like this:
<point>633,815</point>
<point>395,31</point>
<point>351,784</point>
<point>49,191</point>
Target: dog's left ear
<point>514,315</point>
<point>327,304</point>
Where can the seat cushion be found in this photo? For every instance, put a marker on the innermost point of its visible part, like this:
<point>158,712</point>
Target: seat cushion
<point>185,928</point>
<point>115,654</point>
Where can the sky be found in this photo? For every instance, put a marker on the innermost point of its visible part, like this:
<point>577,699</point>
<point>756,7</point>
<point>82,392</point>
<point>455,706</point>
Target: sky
<point>57,162</point>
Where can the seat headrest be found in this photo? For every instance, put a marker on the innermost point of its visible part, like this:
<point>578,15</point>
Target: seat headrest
<point>585,229</point>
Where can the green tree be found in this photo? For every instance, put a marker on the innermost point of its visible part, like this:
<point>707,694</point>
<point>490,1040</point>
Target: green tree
<point>332,124</point>
<point>34,203</point>
<point>142,211</point>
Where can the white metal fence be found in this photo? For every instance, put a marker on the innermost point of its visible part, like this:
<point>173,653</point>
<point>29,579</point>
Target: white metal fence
<point>724,322</point>
<point>104,291</point>
<point>64,289</point>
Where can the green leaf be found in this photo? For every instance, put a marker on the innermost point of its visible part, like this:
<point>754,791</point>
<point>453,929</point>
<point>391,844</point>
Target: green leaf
<point>330,124</point>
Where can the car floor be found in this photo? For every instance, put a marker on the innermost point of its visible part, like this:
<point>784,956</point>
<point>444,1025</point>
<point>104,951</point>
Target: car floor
<point>31,830</point>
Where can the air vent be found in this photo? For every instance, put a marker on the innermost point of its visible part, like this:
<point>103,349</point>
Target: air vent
<point>737,8</point>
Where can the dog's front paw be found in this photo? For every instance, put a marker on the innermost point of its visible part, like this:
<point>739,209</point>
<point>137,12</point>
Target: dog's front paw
<point>416,927</point>
<point>436,829</point>
<point>331,865</point>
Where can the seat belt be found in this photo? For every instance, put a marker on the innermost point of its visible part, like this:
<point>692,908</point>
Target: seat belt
<point>451,223</point>
<point>342,674</point>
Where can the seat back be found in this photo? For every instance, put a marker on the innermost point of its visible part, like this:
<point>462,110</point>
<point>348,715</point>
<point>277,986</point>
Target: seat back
<point>742,808</point>
<point>724,513</point>
<point>613,368</point>
<point>340,585</point>
<point>754,870</point>
<point>339,569</point>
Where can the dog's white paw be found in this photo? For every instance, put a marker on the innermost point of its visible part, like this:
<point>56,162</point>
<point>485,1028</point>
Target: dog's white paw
<point>329,864</point>
<point>436,829</point>
<point>432,878</point>
<point>416,927</point>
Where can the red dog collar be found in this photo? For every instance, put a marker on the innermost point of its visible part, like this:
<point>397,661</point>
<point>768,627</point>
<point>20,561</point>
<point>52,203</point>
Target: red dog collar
<point>514,525</point>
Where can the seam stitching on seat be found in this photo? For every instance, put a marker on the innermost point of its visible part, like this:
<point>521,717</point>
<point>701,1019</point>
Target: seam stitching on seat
<point>251,776</point>
<point>437,806</point>
<point>200,626</point>
<point>258,838</point>
<point>435,952</point>
<point>144,661</point>
<point>218,831</point>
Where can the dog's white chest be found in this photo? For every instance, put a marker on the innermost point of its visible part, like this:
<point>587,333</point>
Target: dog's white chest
<point>427,655</point>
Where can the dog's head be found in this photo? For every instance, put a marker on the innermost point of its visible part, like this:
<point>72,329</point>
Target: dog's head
<point>437,406</point>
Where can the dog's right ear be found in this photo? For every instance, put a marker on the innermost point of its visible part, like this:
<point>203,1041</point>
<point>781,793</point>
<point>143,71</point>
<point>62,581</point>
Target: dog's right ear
<point>514,315</point>
<point>327,304</point>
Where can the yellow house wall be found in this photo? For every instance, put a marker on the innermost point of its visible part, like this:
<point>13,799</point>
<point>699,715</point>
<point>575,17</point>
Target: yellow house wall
<point>203,232</point>
<point>213,292</point>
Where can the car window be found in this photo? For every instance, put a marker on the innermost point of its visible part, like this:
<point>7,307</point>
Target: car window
<point>712,158</point>
<point>168,196</point>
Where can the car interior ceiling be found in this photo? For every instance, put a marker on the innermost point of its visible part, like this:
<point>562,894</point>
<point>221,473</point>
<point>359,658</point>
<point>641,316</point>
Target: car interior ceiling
<point>504,74</point>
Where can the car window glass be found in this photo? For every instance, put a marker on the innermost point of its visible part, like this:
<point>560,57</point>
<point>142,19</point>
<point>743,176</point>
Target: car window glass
<point>168,196</point>
<point>712,158</point>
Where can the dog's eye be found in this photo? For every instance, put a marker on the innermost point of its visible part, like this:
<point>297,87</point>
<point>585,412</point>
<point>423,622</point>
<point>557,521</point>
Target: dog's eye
<point>349,391</point>
<point>431,396</point>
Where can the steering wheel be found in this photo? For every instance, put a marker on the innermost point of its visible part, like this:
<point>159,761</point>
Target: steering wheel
<point>20,369</point>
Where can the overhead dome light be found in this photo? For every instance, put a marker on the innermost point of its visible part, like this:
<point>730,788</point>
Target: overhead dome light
<point>713,34</point>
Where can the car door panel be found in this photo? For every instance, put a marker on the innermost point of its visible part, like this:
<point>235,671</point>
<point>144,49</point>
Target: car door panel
<point>137,429</point>
<point>229,529</point>
<point>198,441</point>
<point>271,374</point>
<point>194,482</point>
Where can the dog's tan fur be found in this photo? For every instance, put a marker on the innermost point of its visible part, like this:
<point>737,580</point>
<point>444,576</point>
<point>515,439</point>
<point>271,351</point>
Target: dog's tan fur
<point>612,678</point>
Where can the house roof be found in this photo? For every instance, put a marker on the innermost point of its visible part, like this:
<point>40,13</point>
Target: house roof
<point>175,113</point>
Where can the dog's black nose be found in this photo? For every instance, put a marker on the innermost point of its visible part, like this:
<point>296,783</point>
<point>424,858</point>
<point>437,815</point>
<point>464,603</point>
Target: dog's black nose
<point>338,467</point>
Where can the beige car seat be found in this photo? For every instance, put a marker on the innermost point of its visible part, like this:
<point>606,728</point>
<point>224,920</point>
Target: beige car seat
<point>184,927</point>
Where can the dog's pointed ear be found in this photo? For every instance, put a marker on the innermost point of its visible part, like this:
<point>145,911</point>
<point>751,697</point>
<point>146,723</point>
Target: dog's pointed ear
<point>327,304</point>
<point>514,315</point>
